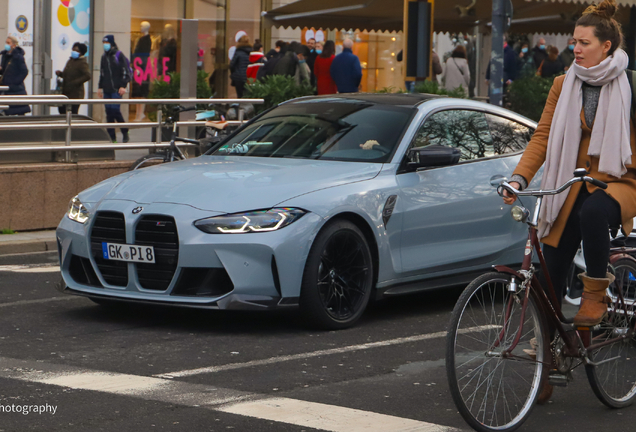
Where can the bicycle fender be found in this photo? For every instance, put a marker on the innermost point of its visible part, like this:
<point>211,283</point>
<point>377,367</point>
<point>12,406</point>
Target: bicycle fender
<point>508,270</point>
<point>616,257</point>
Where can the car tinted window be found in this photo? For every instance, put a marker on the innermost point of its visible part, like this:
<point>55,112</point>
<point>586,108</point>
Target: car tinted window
<point>464,129</point>
<point>508,136</point>
<point>334,129</point>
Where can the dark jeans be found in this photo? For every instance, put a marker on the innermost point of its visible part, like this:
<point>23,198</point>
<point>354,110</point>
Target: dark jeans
<point>113,114</point>
<point>240,88</point>
<point>590,221</point>
<point>74,109</point>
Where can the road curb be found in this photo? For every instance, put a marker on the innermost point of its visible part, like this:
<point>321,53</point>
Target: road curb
<point>26,246</point>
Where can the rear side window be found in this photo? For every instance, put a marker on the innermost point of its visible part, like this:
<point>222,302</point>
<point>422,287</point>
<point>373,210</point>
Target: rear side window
<point>508,136</point>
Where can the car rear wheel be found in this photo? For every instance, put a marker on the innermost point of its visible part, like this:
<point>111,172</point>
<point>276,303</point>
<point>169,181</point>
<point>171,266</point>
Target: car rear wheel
<point>338,277</point>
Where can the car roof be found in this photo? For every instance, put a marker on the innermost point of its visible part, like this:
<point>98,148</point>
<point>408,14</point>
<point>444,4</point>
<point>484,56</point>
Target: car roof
<point>396,99</point>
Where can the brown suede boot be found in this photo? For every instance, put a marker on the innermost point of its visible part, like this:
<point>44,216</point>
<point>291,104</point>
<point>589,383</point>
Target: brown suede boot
<point>594,301</point>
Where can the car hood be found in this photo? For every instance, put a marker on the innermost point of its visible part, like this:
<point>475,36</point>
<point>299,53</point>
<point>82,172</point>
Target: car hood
<point>229,184</point>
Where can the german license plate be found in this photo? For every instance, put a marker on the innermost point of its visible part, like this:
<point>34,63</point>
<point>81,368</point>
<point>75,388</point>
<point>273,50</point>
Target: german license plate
<point>128,253</point>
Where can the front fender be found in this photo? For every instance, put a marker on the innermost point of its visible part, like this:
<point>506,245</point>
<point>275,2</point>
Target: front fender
<point>508,270</point>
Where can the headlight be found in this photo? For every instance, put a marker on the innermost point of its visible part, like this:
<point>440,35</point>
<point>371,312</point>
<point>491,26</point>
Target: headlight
<point>256,221</point>
<point>519,213</point>
<point>76,211</point>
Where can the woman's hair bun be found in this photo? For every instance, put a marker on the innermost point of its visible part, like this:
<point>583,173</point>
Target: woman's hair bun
<point>606,9</point>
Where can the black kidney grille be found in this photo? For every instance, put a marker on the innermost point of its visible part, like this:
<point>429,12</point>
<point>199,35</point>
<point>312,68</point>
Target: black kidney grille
<point>109,227</point>
<point>159,232</point>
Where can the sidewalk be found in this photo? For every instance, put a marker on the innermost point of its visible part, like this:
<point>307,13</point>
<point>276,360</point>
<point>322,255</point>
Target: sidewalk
<point>34,241</point>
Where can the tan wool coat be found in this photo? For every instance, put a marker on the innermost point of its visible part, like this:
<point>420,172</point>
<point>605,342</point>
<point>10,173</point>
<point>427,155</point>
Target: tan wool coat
<point>623,189</point>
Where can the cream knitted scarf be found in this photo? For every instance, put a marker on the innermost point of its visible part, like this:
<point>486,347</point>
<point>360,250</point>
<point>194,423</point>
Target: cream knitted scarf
<point>610,140</point>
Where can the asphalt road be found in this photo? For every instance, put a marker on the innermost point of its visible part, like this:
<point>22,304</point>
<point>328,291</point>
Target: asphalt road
<point>151,368</point>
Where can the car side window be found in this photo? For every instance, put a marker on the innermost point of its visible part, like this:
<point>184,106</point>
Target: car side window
<point>508,136</point>
<point>464,129</point>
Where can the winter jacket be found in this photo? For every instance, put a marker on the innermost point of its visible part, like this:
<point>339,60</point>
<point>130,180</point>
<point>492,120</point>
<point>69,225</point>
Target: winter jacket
<point>456,74</point>
<point>510,65</point>
<point>346,71</point>
<point>322,70</point>
<point>551,68</point>
<point>14,72</point>
<point>567,57</point>
<point>113,74</point>
<point>74,75</point>
<point>311,62</point>
<point>257,61</point>
<point>239,64</point>
<point>286,65</point>
<point>303,74</point>
<point>525,66</point>
<point>270,64</point>
<point>538,55</point>
<point>622,189</point>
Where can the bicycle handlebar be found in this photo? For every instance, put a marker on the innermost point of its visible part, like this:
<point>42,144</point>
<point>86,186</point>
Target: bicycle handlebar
<point>537,193</point>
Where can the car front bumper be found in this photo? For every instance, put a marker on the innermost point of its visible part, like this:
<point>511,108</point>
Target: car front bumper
<point>217,271</point>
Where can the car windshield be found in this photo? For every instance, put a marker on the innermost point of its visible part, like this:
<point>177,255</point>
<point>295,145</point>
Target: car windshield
<point>333,129</point>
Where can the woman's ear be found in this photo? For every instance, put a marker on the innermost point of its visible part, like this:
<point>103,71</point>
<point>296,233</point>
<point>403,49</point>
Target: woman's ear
<point>606,46</point>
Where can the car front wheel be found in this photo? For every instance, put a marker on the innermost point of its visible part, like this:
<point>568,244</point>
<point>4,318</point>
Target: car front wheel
<point>338,277</point>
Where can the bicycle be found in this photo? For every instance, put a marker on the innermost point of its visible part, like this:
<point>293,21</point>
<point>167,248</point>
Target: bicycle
<point>173,152</point>
<point>498,350</point>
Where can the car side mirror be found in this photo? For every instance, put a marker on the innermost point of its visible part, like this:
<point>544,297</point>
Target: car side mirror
<point>432,156</point>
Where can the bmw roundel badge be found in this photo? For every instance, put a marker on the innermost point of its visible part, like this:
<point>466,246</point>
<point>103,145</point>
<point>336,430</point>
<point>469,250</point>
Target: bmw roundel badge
<point>137,210</point>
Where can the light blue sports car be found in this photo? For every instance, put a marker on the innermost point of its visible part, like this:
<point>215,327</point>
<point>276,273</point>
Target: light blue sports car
<point>319,204</point>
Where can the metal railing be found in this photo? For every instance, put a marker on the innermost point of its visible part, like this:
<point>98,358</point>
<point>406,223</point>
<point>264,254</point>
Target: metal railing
<point>69,125</point>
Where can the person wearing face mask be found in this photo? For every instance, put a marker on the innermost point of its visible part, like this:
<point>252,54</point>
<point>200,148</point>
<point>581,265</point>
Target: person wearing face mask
<point>114,76</point>
<point>525,62</point>
<point>303,74</point>
<point>567,55</point>
<point>14,71</point>
<point>74,75</point>
<point>311,60</point>
<point>539,53</point>
<point>586,123</point>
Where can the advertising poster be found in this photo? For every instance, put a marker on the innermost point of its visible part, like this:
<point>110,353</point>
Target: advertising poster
<point>21,26</point>
<point>70,23</point>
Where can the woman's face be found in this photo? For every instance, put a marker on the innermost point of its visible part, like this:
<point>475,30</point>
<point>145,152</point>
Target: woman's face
<point>10,43</point>
<point>319,46</point>
<point>589,51</point>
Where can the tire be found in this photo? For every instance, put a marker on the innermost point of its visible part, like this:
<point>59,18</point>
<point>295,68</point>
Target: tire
<point>146,161</point>
<point>338,277</point>
<point>614,382</point>
<point>505,391</point>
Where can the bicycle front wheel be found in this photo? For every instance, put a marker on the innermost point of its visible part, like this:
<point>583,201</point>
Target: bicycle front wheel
<point>493,393</point>
<point>613,377</point>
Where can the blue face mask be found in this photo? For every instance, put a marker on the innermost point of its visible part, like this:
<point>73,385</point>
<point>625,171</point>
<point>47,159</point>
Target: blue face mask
<point>524,50</point>
<point>106,47</point>
<point>571,47</point>
<point>318,52</point>
<point>199,64</point>
<point>7,47</point>
<point>75,55</point>
<point>301,61</point>
<point>542,47</point>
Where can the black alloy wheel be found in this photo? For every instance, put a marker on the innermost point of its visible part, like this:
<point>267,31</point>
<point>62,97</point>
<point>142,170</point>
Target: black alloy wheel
<point>338,277</point>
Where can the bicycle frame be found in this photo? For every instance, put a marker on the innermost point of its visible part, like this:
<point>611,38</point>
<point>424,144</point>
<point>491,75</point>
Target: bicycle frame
<point>578,342</point>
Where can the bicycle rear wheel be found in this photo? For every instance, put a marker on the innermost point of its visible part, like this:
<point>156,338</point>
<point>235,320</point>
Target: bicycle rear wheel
<point>494,393</point>
<point>614,379</point>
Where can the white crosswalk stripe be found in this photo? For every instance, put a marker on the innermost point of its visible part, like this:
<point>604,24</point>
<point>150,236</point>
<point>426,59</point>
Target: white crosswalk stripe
<point>33,268</point>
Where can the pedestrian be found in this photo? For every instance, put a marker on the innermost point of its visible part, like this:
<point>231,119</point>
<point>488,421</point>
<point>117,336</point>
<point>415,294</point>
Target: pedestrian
<point>346,70</point>
<point>509,66</point>
<point>322,69</point>
<point>567,55</point>
<point>287,64</point>
<point>271,59</point>
<point>552,65</point>
<point>586,123</point>
<point>456,74</point>
<point>539,53</point>
<point>436,66</point>
<point>303,73</point>
<point>14,71</point>
<point>311,60</point>
<point>525,62</point>
<point>74,75</point>
<point>114,76</point>
<point>257,61</point>
<point>239,64</point>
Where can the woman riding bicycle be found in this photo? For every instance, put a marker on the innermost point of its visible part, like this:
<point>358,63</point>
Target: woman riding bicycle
<point>586,123</point>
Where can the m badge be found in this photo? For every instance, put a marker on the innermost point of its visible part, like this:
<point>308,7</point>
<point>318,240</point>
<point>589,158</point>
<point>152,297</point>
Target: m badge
<point>137,210</point>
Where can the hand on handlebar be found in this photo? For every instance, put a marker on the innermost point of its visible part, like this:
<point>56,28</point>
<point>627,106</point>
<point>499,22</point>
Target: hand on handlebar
<point>508,197</point>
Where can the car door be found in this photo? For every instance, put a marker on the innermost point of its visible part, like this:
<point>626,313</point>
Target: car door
<point>453,218</point>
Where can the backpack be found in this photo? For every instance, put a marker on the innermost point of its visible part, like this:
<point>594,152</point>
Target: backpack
<point>119,54</point>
